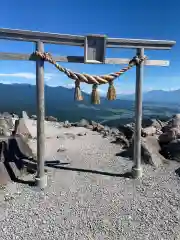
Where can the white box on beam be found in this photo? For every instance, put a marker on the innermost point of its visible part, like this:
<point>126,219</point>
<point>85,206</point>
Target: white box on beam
<point>95,49</point>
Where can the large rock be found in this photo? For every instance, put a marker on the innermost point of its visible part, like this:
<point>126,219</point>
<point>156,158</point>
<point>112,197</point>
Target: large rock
<point>6,115</point>
<point>149,151</point>
<point>172,150</point>
<point>6,126</point>
<point>127,130</point>
<point>175,121</point>
<point>152,123</point>
<point>22,129</point>
<point>169,135</point>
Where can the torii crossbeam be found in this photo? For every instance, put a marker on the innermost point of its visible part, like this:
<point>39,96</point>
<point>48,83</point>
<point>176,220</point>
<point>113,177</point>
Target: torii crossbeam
<point>94,53</point>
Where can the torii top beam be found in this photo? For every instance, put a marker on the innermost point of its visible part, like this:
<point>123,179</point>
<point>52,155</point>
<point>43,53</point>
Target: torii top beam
<point>78,40</point>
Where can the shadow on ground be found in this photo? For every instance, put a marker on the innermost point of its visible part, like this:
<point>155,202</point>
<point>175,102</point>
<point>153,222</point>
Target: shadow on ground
<point>61,167</point>
<point>14,164</point>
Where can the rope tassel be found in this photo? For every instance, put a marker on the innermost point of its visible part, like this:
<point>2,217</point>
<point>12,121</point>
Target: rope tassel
<point>77,93</point>
<point>111,94</point>
<point>95,98</point>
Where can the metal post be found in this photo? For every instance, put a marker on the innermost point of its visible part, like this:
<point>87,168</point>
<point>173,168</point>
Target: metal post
<point>41,178</point>
<point>137,169</point>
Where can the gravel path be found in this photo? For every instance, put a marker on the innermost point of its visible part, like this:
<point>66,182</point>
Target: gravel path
<point>82,205</point>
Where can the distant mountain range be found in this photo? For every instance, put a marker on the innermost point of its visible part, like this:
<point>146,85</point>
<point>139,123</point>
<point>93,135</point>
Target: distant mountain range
<point>59,102</point>
<point>158,96</point>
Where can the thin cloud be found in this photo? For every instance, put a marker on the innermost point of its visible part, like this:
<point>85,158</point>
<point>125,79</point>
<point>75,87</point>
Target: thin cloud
<point>20,75</point>
<point>27,75</point>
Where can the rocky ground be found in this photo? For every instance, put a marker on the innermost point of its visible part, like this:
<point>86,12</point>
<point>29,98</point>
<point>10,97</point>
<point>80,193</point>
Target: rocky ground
<point>89,193</point>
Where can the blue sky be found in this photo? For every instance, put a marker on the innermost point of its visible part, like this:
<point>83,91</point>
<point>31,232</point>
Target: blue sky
<point>125,19</point>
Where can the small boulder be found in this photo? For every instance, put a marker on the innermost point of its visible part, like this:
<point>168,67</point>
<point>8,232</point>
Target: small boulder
<point>34,117</point>
<point>24,115</point>
<point>151,123</point>
<point>169,135</point>
<point>122,141</point>
<point>83,123</point>
<point>172,150</point>
<point>51,119</point>
<point>98,128</point>
<point>127,130</point>
<point>93,123</point>
<point>61,149</point>
<point>6,115</point>
<point>114,131</point>
<point>90,127</point>
<point>67,124</point>
<point>82,134</point>
<point>149,131</point>
<point>175,121</point>
<point>5,132</point>
<point>107,128</point>
<point>70,135</point>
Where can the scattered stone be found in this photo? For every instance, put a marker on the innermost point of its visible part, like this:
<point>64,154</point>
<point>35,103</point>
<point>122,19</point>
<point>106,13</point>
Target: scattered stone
<point>6,127</point>
<point>149,131</point>
<point>70,135</point>
<point>83,123</point>
<point>67,124</point>
<point>122,141</point>
<point>15,116</point>
<point>74,124</point>
<point>51,119</point>
<point>158,132</point>
<point>8,197</point>
<point>5,132</point>
<point>98,128</point>
<point>82,134</point>
<point>24,115</point>
<point>34,117</point>
<point>114,131</point>
<point>6,115</point>
<point>93,123</point>
<point>61,149</point>
<point>107,129</point>
<point>89,127</point>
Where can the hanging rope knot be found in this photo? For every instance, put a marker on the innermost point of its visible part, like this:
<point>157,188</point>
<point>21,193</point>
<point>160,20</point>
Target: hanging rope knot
<point>111,94</point>
<point>77,83</point>
<point>77,93</point>
<point>137,60</point>
<point>95,99</point>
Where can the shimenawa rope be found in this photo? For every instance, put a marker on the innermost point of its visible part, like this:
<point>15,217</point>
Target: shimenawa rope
<point>91,79</point>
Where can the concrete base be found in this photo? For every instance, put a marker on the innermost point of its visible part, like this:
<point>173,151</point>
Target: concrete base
<point>137,172</point>
<point>41,182</point>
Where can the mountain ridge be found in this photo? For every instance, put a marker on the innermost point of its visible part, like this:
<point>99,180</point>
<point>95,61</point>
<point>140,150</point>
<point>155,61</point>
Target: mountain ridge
<point>164,96</point>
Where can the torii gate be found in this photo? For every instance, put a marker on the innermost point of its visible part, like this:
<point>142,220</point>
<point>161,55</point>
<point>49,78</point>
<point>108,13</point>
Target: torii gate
<point>94,52</point>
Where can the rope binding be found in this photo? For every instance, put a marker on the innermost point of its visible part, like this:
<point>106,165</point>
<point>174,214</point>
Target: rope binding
<point>91,79</point>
